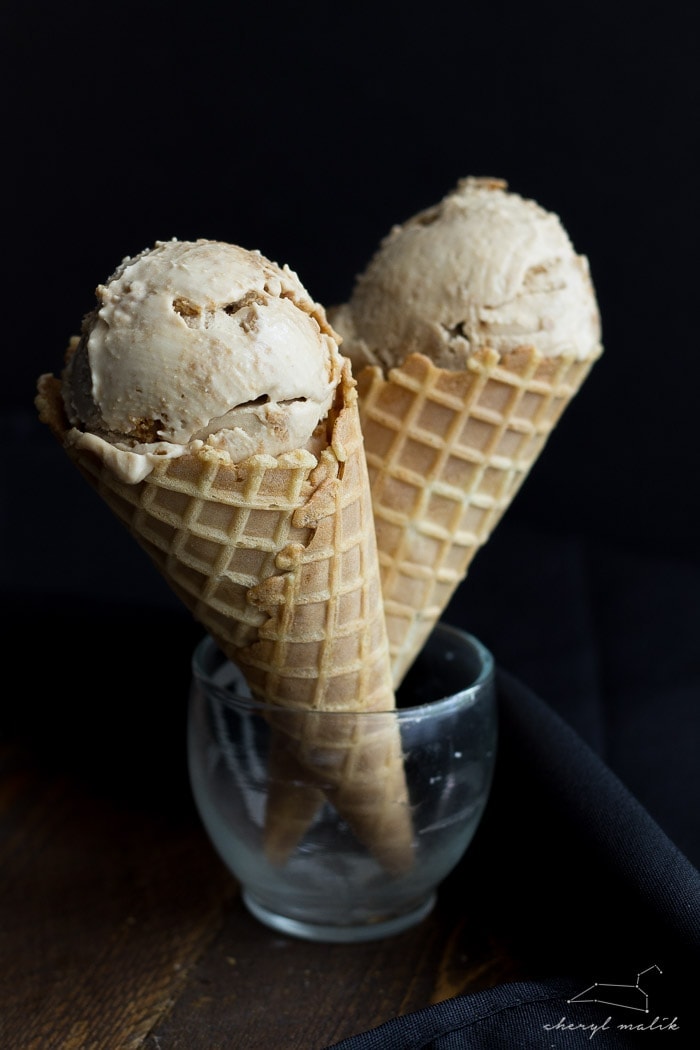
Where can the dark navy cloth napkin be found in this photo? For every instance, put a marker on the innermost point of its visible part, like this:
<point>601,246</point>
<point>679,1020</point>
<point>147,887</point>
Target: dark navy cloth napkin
<point>586,862</point>
<point>590,892</point>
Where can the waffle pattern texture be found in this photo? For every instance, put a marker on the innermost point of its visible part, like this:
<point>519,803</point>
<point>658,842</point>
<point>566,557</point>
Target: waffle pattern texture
<point>277,558</point>
<point>447,451</point>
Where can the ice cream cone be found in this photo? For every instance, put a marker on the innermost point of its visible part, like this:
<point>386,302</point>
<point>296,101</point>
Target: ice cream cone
<point>470,329</point>
<point>447,451</point>
<point>276,558</point>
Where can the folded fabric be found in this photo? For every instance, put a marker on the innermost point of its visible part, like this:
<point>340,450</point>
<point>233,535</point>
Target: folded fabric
<point>529,1014</point>
<point>589,891</point>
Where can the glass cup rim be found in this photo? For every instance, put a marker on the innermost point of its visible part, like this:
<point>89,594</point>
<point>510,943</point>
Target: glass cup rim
<point>441,706</point>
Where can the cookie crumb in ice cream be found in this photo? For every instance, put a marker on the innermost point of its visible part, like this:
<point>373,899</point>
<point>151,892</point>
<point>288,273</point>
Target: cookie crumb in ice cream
<point>201,342</point>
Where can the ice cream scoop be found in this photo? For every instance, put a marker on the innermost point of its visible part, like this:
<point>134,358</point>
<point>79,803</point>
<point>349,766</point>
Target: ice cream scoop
<point>483,268</point>
<point>200,342</point>
<point>470,331</point>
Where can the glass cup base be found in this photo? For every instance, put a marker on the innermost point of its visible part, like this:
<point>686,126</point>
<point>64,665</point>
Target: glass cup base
<point>368,867</point>
<point>335,934</point>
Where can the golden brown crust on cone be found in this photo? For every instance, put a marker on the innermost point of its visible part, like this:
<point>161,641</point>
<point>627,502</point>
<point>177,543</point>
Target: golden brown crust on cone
<point>447,451</point>
<point>323,648</point>
<point>277,558</point>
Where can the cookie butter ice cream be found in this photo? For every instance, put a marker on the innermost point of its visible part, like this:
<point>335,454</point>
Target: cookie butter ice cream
<point>484,267</point>
<point>199,342</point>
<point>471,329</point>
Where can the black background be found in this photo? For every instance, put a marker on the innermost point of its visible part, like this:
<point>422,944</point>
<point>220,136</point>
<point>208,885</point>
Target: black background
<point>306,130</point>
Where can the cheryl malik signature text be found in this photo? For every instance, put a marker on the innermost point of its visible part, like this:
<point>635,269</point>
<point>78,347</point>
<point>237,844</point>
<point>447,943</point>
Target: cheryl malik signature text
<point>659,1024</point>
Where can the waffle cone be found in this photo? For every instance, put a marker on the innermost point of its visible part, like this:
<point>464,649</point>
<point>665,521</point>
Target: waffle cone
<point>447,451</point>
<point>276,557</point>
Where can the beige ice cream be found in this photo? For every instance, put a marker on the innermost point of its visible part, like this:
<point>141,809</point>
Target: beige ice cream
<point>483,268</point>
<point>198,343</point>
<point>208,404</point>
<point>472,327</point>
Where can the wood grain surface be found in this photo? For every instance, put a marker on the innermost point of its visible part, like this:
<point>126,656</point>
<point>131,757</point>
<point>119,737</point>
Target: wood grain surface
<point>121,929</point>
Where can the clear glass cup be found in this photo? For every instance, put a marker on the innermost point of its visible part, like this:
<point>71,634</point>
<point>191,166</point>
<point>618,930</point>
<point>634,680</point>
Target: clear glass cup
<point>330,887</point>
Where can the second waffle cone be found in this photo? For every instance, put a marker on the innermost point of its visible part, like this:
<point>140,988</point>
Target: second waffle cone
<point>447,452</point>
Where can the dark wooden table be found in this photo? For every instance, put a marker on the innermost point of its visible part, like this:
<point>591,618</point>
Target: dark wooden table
<point>121,928</point>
